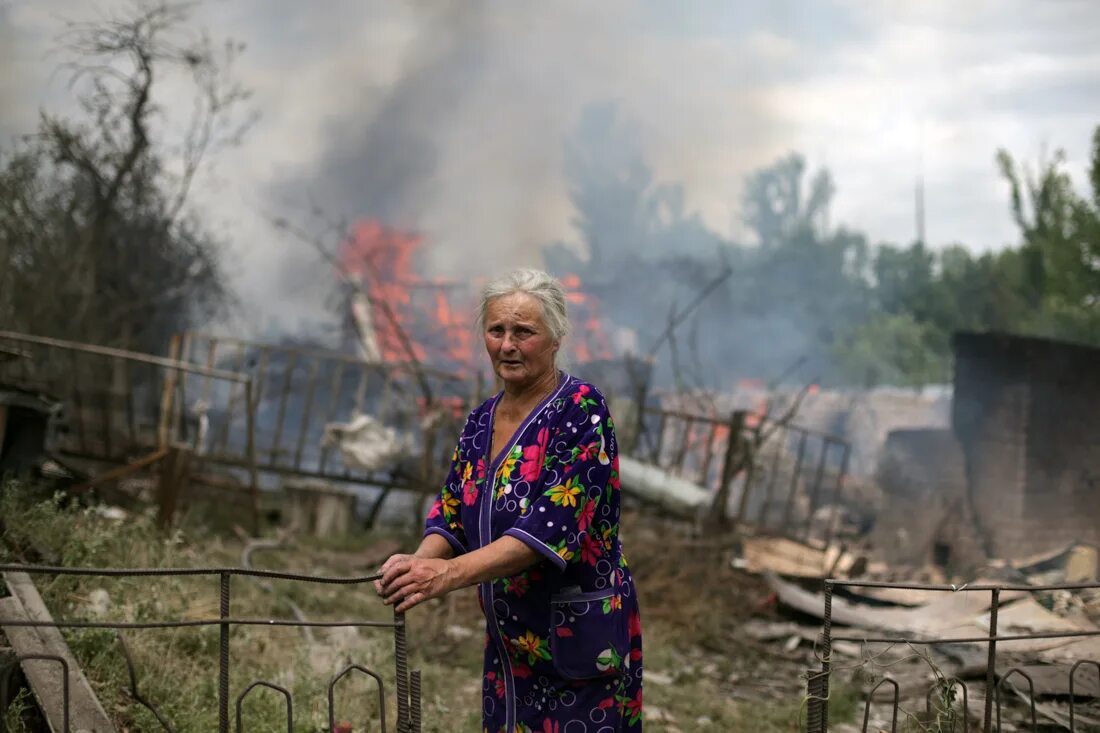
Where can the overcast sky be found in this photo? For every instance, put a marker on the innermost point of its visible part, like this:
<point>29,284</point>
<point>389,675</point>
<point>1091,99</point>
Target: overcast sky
<point>451,117</point>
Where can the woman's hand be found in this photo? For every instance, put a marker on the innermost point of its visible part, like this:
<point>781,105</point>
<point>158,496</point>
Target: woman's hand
<point>408,580</point>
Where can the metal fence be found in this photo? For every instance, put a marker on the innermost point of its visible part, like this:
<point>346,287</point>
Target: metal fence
<point>407,683</point>
<point>951,694</point>
<point>300,390</point>
<point>776,474</point>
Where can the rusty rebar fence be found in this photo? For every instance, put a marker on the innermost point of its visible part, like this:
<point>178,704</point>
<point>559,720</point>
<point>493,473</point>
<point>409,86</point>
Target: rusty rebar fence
<point>407,683</point>
<point>955,707</point>
<point>777,474</point>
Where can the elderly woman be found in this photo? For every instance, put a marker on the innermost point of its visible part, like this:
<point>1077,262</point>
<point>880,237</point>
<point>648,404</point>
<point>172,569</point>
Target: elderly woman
<point>530,514</point>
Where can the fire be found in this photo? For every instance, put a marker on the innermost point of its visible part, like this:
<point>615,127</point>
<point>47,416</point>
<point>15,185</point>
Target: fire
<point>408,312</point>
<point>590,341</point>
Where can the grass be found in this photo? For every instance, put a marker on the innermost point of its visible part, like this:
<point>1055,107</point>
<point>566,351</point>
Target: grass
<point>692,603</point>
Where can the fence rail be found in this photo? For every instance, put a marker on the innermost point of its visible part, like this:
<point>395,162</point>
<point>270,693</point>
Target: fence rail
<point>772,475</point>
<point>818,684</point>
<point>407,683</point>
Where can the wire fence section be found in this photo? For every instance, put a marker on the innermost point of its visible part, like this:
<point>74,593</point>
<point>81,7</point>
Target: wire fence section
<point>772,475</point>
<point>407,683</point>
<point>949,702</point>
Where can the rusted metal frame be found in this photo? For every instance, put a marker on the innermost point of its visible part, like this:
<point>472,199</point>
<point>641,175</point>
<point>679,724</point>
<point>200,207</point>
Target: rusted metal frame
<point>78,401</point>
<point>134,692</point>
<point>408,685</point>
<point>330,355</point>
<point>271,686</point>
<point>334,400</point>
<point>708,456</point>
<point>106,410</point>
<point>307,412</point>
<point>819,477</point>
<point>121,471</point>
<point>1072,699</point>
<point>223,654</point>
<point>227,422</point>
<point>945,685</point>
<point>1030,696</point>
<point>122,353</point>
<point>826,655</point>
<point>376,507</point>
<point>967,639</point>
<point>838,488</point>
<point>754,442</point>
<point>381,697</point>
<point>773,478</point>
<point>166,395</point>
<point>867,705</point>
<point>250,455</point>
<point>5,679</point>
<point>749,463</point>
<point>414,701</point>
<point>815,697</point>
<point>655,457</point>
<point>401,664</point>
<point>796,474</point>
<point>729,464</point>
<point>128,396</point>
<point>284,396</point>
<point>361,389</point>
<point>357,409</point>
<point>682,449</point>
<point>259,381</point>
<point>211,360</point>
<point>180,403</point>
<point>966,588</point>
<point>991,664</point>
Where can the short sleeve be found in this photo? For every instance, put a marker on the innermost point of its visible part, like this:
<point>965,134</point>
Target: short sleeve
<point>443,518</point>
<point>576,485</point>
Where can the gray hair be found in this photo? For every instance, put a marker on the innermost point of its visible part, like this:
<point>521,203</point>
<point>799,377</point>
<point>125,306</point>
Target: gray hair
<point>541,286</point>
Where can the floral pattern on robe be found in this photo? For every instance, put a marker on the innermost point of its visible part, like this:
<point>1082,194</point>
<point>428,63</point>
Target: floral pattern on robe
<point>563,646</point>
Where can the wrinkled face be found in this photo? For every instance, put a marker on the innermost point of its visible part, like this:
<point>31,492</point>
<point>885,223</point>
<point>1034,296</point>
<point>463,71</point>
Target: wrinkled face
<point>517,339</point>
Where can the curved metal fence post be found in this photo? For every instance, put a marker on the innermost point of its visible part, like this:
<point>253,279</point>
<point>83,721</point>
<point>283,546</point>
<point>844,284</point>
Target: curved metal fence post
<point>945,685</point>
<point>1030,695</point>
<point>381,696</point>
<point>64,683</point>
<point>1072,675</point>
<point>270,686</point>
<point>870,696</point>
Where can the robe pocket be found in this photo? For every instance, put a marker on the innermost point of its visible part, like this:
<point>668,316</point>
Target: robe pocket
<point>590,637</point>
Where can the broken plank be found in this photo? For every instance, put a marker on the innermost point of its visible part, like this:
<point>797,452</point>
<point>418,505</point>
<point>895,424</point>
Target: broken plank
<point>25,604</point>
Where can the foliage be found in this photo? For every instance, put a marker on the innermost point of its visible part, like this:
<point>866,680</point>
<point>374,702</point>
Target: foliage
<point>94,227</point>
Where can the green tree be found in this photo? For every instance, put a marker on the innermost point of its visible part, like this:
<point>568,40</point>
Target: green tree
<point>1057,267</point>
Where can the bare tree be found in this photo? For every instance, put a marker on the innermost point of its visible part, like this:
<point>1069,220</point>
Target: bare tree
<point>94,211</point>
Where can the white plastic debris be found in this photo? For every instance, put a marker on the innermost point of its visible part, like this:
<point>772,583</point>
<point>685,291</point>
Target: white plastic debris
<point>367,444</point>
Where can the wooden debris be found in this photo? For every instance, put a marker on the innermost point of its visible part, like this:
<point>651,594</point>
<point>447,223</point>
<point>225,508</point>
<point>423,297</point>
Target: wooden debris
<point>86,713</point>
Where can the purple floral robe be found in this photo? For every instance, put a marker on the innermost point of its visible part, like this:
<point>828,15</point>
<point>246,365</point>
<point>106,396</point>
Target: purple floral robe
<point>563,650</point>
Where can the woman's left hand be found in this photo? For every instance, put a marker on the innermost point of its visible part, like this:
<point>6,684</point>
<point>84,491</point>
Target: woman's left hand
<point>408,580</point>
